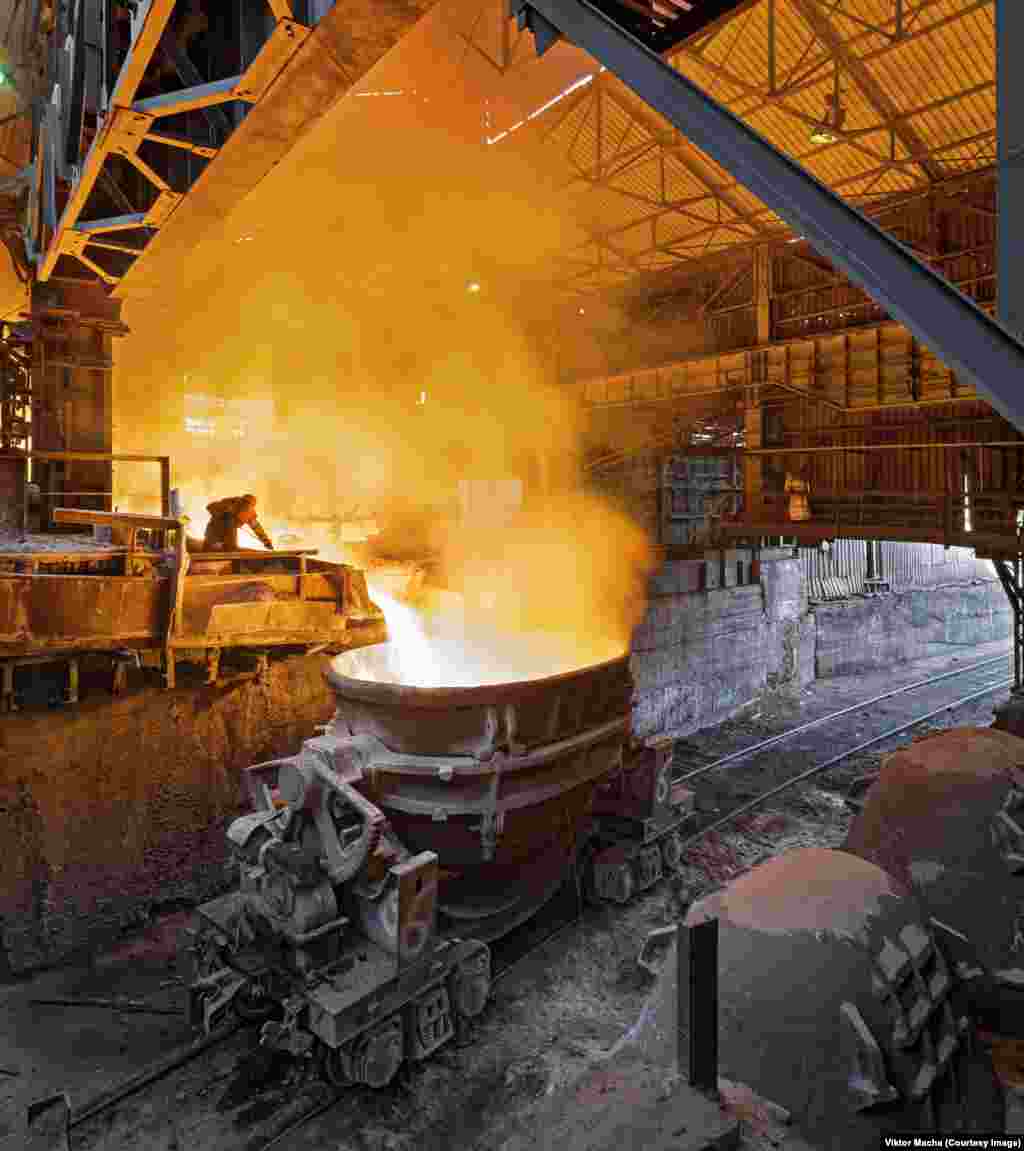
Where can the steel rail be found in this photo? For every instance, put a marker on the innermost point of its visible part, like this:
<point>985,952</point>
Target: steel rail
<point>105,1100</point>
<point>756,748</point>
<point>297,1124</point>
<point>820,767</point>
<point>968,340</point>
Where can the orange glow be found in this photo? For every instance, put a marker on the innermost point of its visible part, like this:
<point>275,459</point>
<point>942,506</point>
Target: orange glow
<point>444,642</point>
<point>339,365</point>
<point>475,663</point>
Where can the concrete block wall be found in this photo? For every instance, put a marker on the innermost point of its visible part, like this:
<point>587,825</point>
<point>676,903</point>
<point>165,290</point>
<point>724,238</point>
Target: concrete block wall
<point>865,634</point>
<point>701,655</point>
<point>703,652</point>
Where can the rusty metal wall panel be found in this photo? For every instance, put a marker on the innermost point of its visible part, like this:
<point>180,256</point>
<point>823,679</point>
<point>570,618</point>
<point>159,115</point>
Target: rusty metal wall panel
<point>98,612</point>
<point>903,565</point>
<point>40,612</point>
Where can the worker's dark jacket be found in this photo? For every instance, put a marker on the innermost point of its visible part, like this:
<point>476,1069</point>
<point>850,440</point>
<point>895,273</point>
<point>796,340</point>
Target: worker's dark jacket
<point>226,517</point>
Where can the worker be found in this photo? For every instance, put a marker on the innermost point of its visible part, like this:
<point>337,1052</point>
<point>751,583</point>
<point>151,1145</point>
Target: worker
<point>798,488</point>
<point>226,517</point>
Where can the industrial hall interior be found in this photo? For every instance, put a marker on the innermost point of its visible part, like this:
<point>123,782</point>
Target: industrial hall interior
<point>511,575</point>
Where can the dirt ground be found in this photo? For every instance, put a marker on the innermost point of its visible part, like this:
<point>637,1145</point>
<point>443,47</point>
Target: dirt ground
<point>552,1013</point>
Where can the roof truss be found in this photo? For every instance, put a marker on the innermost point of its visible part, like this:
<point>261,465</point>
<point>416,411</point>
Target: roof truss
<point>648,198</point>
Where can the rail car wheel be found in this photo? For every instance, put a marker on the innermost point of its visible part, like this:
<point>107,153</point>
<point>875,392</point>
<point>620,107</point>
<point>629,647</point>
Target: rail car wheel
<point>672,852</point>
<point>647,869</point>
<point>377,1055</point>
<point>334,1066</point>
<point>663,786</point>
<point>470,985</point>
<point>588,879</point>
<point>253,1002</point>
<point>621,883</point>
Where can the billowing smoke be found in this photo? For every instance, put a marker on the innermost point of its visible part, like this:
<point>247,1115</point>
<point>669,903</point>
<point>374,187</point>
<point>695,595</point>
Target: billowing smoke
<point>370,332</point>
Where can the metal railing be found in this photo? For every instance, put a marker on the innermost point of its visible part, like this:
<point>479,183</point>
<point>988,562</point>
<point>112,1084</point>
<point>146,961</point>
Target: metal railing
<point>946,517</point>
<point>91,457</point>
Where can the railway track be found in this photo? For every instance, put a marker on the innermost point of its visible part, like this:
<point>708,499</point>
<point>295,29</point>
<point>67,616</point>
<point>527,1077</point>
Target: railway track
<point>819,768</point>
<point>108,1100</point>
<point>831,717</point>
<point>749,755</point>
<point>568,908</point>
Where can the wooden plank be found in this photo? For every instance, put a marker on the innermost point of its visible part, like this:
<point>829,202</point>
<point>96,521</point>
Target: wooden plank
<point>129,519</point>
<point>291,553</point>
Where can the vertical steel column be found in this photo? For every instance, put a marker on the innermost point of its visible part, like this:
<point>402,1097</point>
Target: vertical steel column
<point>165,485</point>
<point>1010,577</point>
<point>697,988</point>
<point>1010,127</point>
<point>1010,237</point>
<point>763,293</point>
<point>1018,627</point>
<point>1010,242</point>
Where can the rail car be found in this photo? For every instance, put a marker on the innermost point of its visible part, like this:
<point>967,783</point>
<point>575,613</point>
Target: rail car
<point>330,939</point>
<point>423,823</point>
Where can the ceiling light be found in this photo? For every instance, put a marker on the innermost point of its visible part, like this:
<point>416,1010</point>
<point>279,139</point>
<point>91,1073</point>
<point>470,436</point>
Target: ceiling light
<point>243,239</point>
<point>581,312</point>
<point>828,131</point>
<point>473,287</point>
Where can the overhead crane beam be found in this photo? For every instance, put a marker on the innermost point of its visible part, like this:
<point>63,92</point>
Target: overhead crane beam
<point>1010,134</point>
<point>970,342</point>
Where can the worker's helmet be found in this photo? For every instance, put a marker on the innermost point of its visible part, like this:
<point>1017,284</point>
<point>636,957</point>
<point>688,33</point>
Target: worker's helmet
<point>248,498</point>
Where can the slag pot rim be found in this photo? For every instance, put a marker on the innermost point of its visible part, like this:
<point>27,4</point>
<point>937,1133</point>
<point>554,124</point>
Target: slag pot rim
<point>373,691</point>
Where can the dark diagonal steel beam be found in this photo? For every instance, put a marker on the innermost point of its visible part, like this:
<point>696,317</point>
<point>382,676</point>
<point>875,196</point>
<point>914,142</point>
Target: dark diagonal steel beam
<point>970,342</point>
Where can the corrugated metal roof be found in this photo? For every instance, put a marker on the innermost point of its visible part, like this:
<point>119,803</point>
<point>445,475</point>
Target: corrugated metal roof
<point>919,104</point>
